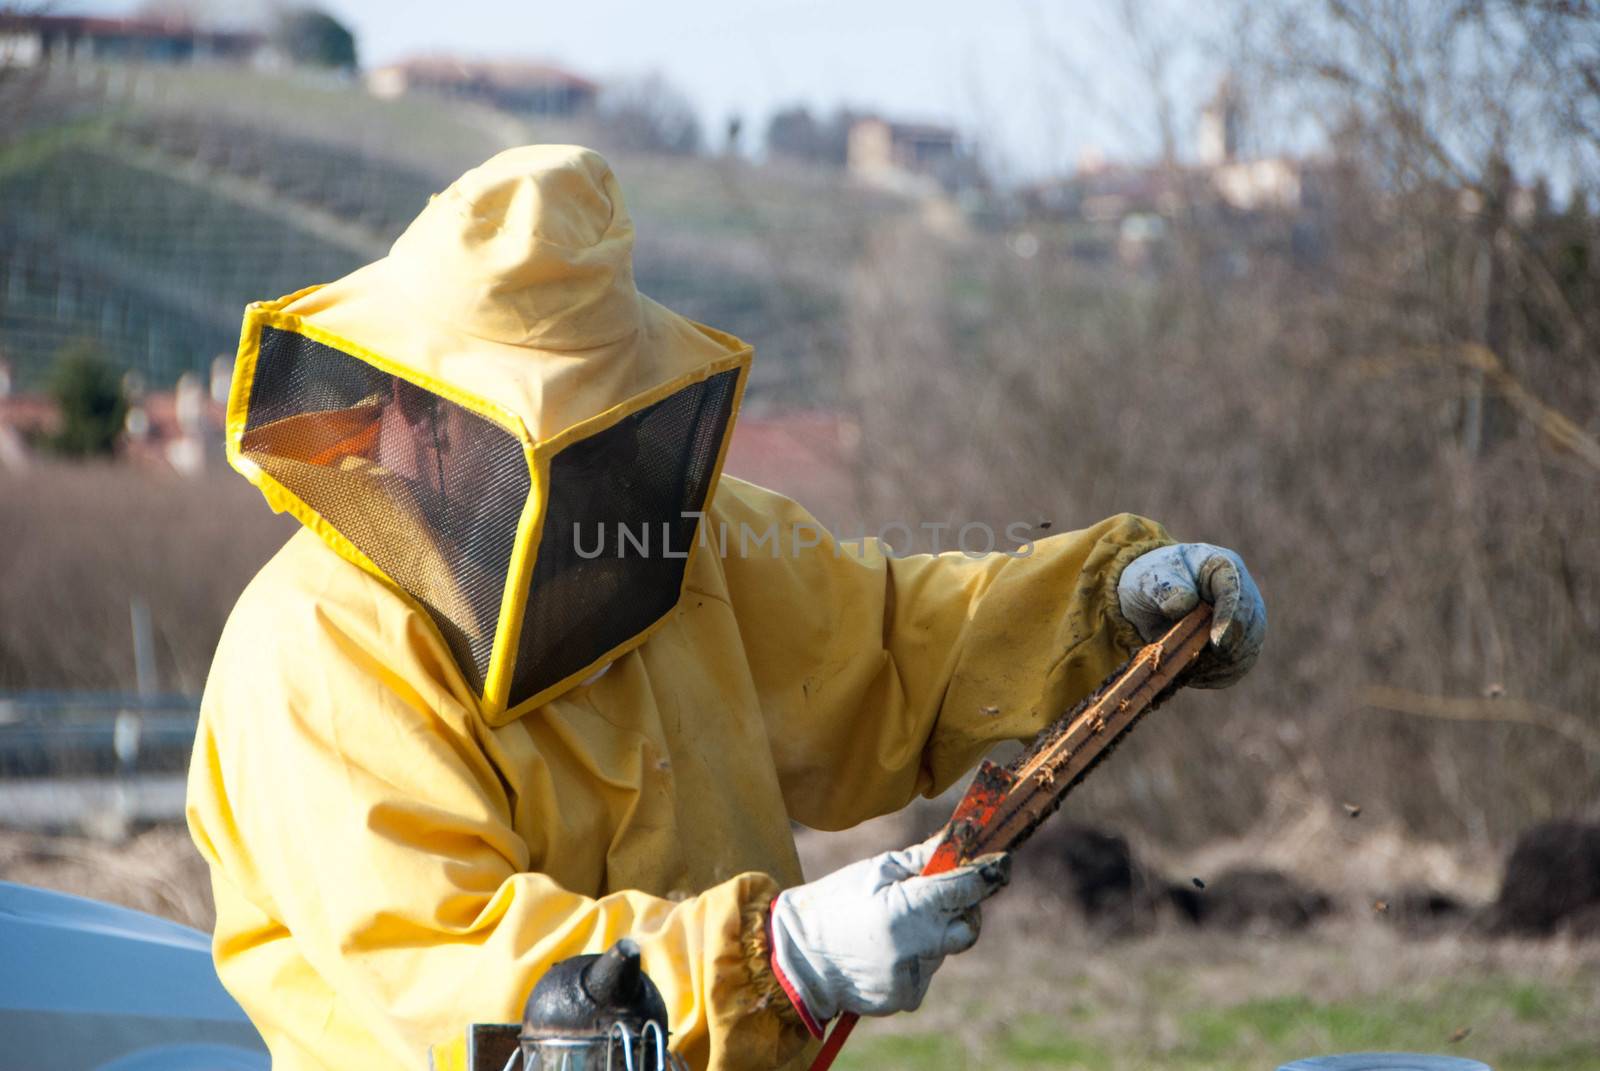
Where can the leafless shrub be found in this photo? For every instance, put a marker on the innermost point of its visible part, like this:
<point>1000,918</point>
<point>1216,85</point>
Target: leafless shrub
<point>1397,430</point>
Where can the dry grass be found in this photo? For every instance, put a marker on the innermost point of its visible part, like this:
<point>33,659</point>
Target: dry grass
<point>157,870</point>
<point>78,542</point>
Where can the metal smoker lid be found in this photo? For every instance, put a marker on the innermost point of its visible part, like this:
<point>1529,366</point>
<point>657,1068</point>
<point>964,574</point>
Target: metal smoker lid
<point>1385,1061</point>
<point>586,995</point>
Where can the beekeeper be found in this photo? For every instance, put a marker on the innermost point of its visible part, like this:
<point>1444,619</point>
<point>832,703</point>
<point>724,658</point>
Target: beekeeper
<point>451,736</point>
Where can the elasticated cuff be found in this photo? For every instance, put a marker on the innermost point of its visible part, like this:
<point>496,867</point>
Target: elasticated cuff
<point>772,989</point>
<point>1126,635</point>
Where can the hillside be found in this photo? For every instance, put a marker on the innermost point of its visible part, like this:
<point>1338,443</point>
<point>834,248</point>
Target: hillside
<point>142,208</point>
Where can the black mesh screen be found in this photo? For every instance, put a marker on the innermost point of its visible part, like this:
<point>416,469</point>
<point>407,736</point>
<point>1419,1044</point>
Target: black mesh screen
<point>295,375</point>
<point>430,491</point>
<point>610,557</point>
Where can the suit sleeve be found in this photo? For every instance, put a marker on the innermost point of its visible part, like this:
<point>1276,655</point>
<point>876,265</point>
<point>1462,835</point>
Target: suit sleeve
<point>883,677</point>
<point>344,787</point>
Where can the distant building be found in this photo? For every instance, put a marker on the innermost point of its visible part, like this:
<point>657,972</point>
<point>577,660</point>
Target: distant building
<point>33,40</point>
<point>1270,183</point>
<point>1523,204</point>
<point>1221,126</point>
<point>179,429</point>
<point>534,88</point>
<point>807,454</point>
<point>1222,178</point>
<point>794,134</point>
<point>909,157</point>
<point>21,420</point>
<point>24,420</point>
<point>1255,184</point>
<point>1106,193</point>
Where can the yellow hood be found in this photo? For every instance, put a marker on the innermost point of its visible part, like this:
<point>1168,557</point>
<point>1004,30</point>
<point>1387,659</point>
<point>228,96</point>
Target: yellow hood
<point>510,305</point>
<point>514,287</point>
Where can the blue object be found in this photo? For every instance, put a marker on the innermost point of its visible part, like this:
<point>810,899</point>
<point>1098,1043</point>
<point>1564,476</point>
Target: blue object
<point>1385,1061</point>
<point>86,984</point>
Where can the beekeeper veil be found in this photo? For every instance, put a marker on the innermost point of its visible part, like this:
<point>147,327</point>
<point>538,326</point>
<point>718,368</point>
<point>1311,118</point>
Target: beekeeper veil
<point>493,420</point>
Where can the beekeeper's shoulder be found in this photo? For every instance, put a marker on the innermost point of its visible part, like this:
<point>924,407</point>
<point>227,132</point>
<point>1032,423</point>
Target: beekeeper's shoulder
<point>312,625</point>
<point>308,609</point>
<point>305,582</point>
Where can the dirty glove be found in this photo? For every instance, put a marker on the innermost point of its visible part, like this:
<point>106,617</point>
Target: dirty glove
<point>867,938</point>
<point>1158,588</point>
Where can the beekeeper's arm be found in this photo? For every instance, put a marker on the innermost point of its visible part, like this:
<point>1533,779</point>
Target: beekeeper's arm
<point>882,678</point>
<point>349,785</point>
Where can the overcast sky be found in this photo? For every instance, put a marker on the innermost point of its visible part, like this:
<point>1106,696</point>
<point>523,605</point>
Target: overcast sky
<point>1042,81</point>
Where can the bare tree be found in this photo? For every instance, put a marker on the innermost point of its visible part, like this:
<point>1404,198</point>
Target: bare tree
<point>1385,397</point>
<point>649,115</point>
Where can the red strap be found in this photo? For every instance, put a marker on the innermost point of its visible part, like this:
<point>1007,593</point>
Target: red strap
<point>789,990</point>
<point>830,1048</point>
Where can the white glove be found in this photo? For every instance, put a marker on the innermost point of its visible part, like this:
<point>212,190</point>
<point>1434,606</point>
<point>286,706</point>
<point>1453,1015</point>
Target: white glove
<point>867,938</point>
<point>1160,587</point>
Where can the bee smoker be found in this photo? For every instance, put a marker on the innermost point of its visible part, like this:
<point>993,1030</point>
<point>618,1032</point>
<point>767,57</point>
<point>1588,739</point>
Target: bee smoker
<point>596,1013</point>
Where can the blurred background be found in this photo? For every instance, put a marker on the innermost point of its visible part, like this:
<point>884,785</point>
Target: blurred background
<point>1316,281</point>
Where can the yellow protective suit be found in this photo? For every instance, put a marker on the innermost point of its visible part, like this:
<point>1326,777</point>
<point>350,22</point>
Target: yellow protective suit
<point>387,867</point>
<point>396,852</point>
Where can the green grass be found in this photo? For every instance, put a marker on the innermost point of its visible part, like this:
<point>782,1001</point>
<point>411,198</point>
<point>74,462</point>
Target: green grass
<point>1285,1026</point>
<point>763,253</point>
<point>433,133</point>
<point>903,1051</point>
<point>1041,1041</point>
<point>36,147</point>
<point>157,270</point>
<point>1515,1025</point>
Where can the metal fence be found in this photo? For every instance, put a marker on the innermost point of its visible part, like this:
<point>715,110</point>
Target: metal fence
<point>93,761</point>
<point>88,734</point>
